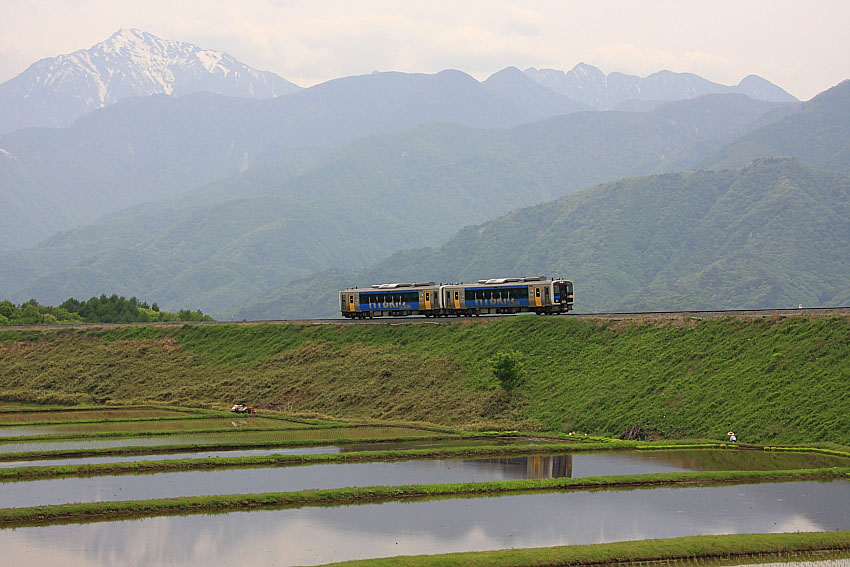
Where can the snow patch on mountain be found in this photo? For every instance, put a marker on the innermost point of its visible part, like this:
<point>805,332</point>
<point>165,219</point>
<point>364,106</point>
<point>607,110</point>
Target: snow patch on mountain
<point>57,90</point>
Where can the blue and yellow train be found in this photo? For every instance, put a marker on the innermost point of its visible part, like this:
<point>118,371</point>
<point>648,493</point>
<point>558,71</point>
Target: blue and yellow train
<point>487,297</point>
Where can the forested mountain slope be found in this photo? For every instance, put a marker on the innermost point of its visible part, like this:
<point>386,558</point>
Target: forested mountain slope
<point>819,134</point>
<point>773,234</point>
<point>357,205</point>
<point>145,149</point>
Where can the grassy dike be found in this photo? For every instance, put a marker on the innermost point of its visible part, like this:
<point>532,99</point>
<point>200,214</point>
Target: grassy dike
<point>101,511</point>
<point>771,380</point>
<point>728,550</point>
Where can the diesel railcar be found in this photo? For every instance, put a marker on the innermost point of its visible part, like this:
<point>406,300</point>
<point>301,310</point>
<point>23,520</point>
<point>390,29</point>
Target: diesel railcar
<point>487,297</point>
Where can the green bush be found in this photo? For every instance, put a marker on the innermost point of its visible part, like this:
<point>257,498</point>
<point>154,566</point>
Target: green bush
<point>508,369</point>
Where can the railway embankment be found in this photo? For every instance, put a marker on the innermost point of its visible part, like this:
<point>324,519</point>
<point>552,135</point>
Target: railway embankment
<point>771,379</point>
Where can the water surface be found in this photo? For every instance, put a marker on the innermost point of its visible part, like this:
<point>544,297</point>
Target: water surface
<point>339,475</point>
<point>188,423</point>
<point>100,413</point>
<point>232,436</point>
<point>199,453</point>
<point>310,536</point>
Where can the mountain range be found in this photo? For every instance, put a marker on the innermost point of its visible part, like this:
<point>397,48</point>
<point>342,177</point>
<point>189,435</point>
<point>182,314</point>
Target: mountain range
<point>650,242</point>
<point>245,202</point>
<point>143,149</point>
<point>589,85</point>
<point>245,235</point>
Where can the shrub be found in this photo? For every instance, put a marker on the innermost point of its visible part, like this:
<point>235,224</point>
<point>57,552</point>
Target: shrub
<point>508,369</point>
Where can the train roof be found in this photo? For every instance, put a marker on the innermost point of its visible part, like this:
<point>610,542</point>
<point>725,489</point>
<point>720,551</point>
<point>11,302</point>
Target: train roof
<point>417,285</point>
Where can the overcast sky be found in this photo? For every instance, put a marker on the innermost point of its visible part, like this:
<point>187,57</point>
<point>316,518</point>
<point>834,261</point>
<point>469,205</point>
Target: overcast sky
<point>803,46</point>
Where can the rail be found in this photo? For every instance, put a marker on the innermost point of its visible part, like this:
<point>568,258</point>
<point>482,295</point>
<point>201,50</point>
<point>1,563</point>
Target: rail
<point>614,315</point>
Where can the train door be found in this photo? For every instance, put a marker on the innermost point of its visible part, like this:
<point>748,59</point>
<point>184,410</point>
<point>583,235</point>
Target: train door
<point>352,302</point>
<point>538,300</point>
<point>456,298</point>
<point>428,300</point>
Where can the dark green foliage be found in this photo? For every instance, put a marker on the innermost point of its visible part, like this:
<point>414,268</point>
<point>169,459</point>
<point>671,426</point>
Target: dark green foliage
<point>112,309</point>
<point>507,367</point>
<point>103,309</point>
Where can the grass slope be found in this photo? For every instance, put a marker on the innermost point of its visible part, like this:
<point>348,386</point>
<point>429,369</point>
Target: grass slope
<point>771,380</point>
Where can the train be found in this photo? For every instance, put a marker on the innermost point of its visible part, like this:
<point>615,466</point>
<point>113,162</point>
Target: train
<point>498,296</point>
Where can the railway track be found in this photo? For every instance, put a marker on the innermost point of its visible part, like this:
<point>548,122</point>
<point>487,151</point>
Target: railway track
<point>610,316</point>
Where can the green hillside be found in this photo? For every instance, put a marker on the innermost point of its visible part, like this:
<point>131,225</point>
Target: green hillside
<point>358,205</point>
<point>818,134</point>
<point>771,380</point>
<point>774,234</point>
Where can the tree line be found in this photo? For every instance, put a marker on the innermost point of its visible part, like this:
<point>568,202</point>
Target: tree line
<point>103,309</point>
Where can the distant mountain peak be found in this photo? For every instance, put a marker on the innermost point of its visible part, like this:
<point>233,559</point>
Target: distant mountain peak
<point>131,62</point>
<point>590,85</point>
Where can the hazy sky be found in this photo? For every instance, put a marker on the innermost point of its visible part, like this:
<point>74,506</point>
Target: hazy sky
<point>803,46</point>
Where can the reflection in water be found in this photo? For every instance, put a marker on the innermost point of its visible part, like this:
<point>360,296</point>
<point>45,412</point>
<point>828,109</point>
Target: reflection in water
<point>536,466</point>
<point>277,479</point>
<point>319,535</point>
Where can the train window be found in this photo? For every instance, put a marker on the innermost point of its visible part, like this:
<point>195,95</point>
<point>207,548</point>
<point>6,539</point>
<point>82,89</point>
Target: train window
<point>537,292</point>
<point>351,299</point>
<point>457,295</point>
<point>427,296</point>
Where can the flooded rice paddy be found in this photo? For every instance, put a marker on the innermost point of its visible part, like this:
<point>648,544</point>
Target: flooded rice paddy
<point>190,423</point>
<point>340,475</point>
<point>7,416</point>
<point>199,453</point>
<point>172,456</point>
<point>234,435</point>
<point>310,536</point>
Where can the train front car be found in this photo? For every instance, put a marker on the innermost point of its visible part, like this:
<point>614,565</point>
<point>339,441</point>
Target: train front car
<point>390,300</point>
<point>503,296</point>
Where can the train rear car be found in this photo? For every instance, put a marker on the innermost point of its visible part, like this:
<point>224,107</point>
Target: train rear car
<point>390,300</point>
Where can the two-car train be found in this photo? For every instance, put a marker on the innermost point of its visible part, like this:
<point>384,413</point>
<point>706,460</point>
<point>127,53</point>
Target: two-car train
<point>487,297</point>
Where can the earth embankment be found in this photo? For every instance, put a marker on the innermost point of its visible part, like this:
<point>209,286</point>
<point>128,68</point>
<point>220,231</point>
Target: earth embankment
<point>771,379</point>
